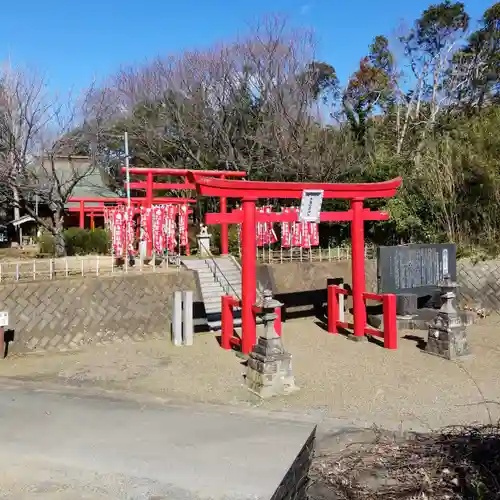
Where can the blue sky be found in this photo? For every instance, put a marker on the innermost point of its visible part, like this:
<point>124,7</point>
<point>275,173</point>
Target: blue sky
<point>74,42</point>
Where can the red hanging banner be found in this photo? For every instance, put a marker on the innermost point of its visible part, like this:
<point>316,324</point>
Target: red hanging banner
<point>129,229</point>
<point>261,231</point>
<point>265,231</point>
<point>270,234</point>
<point>183,225</point>
<point>118,239</point>
<point>314,234</point>
<point>285,231</point>
<point>170,228</point>
<point>305,237</point>
<point>146,214</point>
<point>159,229</point>
<point>296,231</point>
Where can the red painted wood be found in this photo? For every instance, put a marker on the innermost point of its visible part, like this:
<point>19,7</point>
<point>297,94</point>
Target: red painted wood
<point>207,186</point>
<point>162,185</point>
<point>182,172</point>
<point>358,267</point>
<point>161,199</point>
<point>236,216</point>
<point>332,309</point>
<point>250,191</point>
<point>373,296</point>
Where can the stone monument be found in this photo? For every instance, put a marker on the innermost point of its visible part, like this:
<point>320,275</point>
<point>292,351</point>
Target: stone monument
<point>204,241</point>
<point>447,331</point>
<point>269,371</point>
<point>416,274</point>
<point>415,269</point>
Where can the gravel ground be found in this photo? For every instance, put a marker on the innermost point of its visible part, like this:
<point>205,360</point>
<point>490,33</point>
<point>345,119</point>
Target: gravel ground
<point>358,382</point>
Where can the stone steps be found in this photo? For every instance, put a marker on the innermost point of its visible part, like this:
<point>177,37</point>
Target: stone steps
<point>216,281</point>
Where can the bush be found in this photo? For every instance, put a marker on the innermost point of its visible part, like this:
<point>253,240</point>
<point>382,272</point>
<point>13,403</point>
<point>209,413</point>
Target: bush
<point>99,241</point>
<point>46,244</point>
<point>82,241</point>
<point>233,238</point>
<point>78,242</point>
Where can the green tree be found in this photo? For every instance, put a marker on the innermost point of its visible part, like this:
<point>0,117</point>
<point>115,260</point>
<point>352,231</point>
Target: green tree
<point>370,88</point>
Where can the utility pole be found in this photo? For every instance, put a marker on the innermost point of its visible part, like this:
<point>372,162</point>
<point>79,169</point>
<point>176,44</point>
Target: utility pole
<point>127,166</point>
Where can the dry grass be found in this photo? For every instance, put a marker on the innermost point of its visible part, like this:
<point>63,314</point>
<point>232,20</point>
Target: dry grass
<point>16,254</point>
<point>457,463</point>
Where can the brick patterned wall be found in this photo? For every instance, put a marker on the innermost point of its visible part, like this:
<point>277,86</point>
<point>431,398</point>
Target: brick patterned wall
<point>67,313</point>
<point>480,283</point>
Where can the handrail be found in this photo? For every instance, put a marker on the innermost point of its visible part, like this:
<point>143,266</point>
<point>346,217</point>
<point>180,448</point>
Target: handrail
<point>260,287</point>
<point>220,272</point>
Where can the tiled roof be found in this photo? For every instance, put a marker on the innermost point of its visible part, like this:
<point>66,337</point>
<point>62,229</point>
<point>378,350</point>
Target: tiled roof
<point>92,184</point>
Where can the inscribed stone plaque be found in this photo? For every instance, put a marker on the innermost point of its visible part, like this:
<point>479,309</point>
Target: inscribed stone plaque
<point>415,268</point>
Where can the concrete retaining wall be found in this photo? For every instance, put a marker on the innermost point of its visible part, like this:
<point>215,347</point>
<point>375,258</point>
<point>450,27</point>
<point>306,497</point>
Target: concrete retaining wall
<point>301,287</point>
<point>480,283</point>
<point>67,313</point>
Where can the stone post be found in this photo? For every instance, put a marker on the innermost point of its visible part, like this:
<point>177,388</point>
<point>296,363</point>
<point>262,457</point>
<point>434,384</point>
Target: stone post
<point>269,371</point>
<point>177,318</point>
<point>187,318</point>
<point>447,332</point>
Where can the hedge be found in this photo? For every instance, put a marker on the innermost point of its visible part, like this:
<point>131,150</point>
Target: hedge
<point>78,242</point>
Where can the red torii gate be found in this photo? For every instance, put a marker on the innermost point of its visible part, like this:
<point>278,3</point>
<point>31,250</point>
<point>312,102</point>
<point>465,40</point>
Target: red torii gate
<point>250,191</point>
<point>98,211</point>
<point>149,185</point>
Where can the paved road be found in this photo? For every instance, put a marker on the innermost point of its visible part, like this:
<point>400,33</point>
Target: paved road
<point>59,446</point>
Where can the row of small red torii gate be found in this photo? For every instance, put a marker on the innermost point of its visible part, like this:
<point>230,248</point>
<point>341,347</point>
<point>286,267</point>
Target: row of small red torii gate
<point>216,184</point>
<point>150,200</point>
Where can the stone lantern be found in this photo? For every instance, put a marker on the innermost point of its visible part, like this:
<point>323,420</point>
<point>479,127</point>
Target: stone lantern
<point>447,331</point>
<point>269,371</point>
<point>203,241</point>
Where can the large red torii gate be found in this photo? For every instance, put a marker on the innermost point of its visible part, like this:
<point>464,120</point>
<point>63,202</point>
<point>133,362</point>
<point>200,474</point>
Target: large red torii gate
<point>250,191</point>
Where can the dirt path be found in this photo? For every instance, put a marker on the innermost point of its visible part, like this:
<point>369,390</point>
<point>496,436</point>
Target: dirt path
<point>359,382</point>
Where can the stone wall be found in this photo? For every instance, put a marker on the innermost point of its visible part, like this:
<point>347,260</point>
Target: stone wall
<point>297,276</point>
<point>301,285</point>
<point>67,313</point>
<point>294,484</point>
<point>480,283</point>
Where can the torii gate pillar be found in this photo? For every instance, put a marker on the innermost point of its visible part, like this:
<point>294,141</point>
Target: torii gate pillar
<point>358,266</point>
<point>248,276</point>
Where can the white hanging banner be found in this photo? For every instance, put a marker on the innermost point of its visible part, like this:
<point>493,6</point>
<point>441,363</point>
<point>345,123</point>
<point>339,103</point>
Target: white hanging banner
<point>310,205</point>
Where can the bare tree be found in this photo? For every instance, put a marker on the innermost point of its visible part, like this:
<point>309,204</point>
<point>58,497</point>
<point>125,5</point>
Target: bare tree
<point>433,82</point>
<point>247,105</point>
<point>37,129</point>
